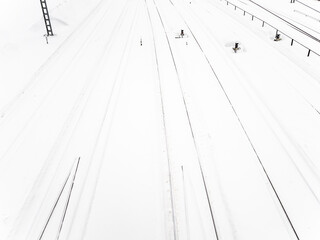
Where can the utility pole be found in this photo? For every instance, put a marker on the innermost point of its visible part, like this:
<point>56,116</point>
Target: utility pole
<point>46,17</point>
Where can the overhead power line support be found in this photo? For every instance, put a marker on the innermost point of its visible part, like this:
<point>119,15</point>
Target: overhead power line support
<point>46,17</point>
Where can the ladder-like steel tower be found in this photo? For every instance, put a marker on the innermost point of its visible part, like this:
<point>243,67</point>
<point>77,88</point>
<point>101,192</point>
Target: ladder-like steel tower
<point>46,17</point>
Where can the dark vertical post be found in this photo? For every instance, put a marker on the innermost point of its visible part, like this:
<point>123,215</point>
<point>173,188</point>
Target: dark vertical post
<point>277,37</point>
<point>291,42</point>
<point>309,52</point>
<point>236,47</point>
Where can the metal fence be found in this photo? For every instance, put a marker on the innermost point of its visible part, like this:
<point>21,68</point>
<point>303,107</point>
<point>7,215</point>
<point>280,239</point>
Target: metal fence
<point>309,50</point>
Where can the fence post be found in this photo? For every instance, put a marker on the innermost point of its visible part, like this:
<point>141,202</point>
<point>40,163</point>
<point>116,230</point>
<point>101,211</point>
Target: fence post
<point>309,52</point>
<point>291,42</point>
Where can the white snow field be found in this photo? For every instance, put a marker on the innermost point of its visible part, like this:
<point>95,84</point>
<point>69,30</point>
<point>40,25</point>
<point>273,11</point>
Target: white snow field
<point>122,128</point>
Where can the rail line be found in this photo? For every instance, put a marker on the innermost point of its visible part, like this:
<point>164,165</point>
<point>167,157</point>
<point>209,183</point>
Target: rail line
<point>113,94</point>
<point>309,163</point>
<point>299,93</point>
<point>51,59</point>
<point>277,29</point>
<point>286,21</point>
<point>305,26</point>
<point>58,81</point>
<point>172,200</point>
<point>68,200</point>
<point>85,94</point>
<point>242,126</point>
<point>307,6</point>
<point>55,205</point>
<point>190,126</point>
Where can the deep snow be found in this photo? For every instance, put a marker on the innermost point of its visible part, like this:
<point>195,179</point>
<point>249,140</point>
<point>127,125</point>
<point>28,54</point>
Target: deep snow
<point>178,137</point>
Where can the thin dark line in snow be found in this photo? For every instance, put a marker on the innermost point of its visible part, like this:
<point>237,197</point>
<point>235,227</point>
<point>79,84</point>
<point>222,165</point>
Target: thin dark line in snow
<point>244,130</point>
<point>165,127</point>
<point>286,133</point>
<point>190,126</point>
<point>55,204</point>
<point>278,30</point>
<point>123,63</point>
<point>52,58</point>
<point>68,201</point>
<point>304,98</point>
<point>307,6</point>
<point>67,123</point>
<point>185,203</point>
<point>289,23</point>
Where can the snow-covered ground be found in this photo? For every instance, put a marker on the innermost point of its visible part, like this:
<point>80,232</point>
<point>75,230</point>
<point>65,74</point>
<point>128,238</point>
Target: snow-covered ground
<point>120,128</point>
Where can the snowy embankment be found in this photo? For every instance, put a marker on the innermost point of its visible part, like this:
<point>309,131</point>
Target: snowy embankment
<point>23,49</point>
<point>175,137</point>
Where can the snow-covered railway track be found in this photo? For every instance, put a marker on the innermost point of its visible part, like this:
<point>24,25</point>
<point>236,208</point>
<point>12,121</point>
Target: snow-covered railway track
<point>191,128</point>
<point>313,104</point>
<point>243,128</point>
<point>92,19</point>
<point>267,171</point>
<point>91,173</point>
<point>207,28</point>
<point>300,34</point>
<point>24,109</point>
<point>306,5</point>
<point>292,25</point>
<point>111,41</point>
<point>115,171</point>
<point>62,152</point>
<point>300,167</point>
<point>264,102</point>
<point>172,200</point>
<point>178,138</point>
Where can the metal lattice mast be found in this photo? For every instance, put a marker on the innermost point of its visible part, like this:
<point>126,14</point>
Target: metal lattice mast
<point>46,17</point>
